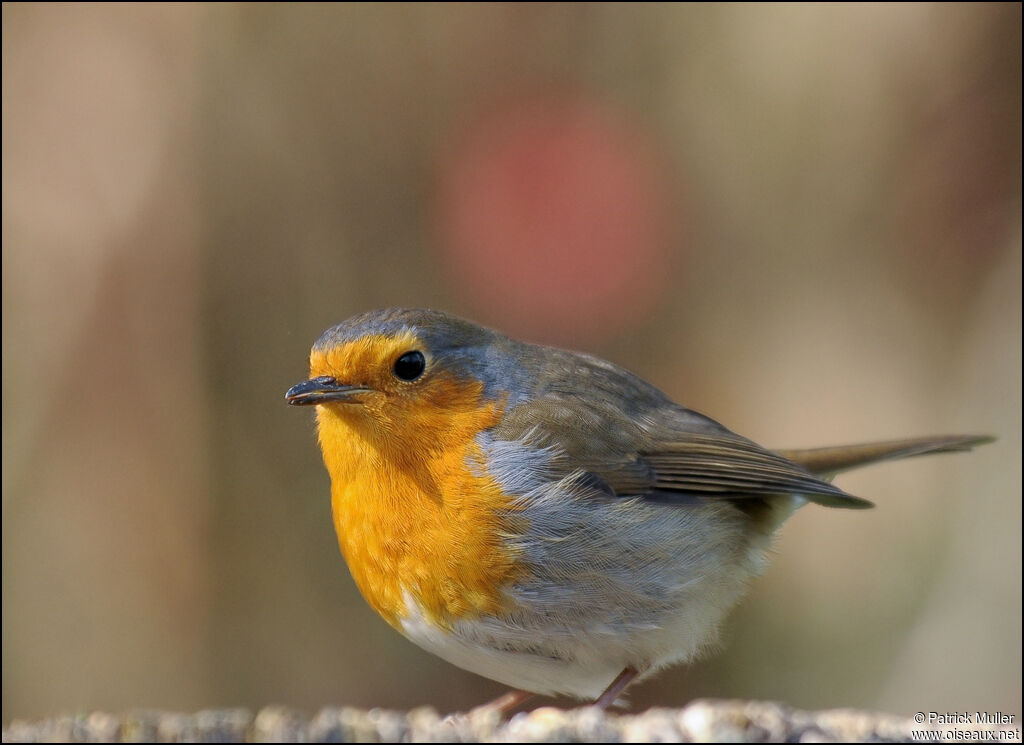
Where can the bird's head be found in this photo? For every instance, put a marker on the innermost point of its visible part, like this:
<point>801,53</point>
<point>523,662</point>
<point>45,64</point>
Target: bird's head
<point>405,375</point>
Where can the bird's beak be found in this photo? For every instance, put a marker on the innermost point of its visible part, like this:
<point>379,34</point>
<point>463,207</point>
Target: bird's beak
<point>323,390</point>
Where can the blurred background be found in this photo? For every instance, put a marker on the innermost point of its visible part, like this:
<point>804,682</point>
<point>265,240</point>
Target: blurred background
<point>804,221</point>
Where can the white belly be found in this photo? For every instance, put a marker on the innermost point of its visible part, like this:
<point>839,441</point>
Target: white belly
<point>614,583</point>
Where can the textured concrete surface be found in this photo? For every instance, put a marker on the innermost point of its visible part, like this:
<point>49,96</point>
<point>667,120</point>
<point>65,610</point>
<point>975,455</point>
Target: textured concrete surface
<point>701,721</point>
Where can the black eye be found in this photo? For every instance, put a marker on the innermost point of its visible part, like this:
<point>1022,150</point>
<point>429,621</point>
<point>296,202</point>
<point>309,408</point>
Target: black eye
<point>410,365</point>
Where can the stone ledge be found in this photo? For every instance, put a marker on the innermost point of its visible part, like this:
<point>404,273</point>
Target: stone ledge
<point>701,721</point>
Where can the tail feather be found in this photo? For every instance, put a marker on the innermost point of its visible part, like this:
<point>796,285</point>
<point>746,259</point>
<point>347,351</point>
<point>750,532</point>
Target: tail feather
<point>827,462</point>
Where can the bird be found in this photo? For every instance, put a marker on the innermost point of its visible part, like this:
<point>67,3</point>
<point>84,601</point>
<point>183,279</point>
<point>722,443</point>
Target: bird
<point>542,517</point>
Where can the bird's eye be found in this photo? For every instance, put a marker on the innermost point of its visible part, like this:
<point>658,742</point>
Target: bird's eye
<point>410,365</point>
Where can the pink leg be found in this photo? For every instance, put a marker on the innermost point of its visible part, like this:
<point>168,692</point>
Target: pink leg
<point>612,692</point>
<point>506,702</point>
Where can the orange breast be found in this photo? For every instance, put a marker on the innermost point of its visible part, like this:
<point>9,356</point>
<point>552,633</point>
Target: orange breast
<point>415,510</point>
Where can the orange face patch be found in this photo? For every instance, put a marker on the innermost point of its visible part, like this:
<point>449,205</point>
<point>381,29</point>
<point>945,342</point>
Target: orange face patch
<point>414,510</point>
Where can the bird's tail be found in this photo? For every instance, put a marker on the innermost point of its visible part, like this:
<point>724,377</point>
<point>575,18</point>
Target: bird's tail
<point>827,462</point>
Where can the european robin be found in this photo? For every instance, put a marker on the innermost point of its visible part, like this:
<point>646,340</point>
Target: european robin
<point>542,517</point>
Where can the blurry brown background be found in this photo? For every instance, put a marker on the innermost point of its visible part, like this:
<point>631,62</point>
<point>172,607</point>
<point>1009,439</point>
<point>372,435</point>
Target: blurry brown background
<point>804,221</point>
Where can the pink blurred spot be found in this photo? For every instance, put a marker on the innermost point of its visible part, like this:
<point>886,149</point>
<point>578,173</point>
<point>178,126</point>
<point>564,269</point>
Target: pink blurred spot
<point>555,219</point>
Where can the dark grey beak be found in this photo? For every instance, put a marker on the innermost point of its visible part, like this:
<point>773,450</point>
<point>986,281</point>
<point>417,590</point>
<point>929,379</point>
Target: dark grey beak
<point>323,390</point>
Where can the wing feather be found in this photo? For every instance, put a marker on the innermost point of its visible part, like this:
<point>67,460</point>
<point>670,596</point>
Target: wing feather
<point>729,466</point>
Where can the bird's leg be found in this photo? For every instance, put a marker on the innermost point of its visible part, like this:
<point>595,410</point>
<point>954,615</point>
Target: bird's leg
<point>612,692</point>
<point>506,702</point>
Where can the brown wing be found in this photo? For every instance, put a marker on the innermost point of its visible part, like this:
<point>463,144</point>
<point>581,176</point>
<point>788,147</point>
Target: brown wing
<point>633,441</point>
<point>728,466</point>
<point>660,451</point>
